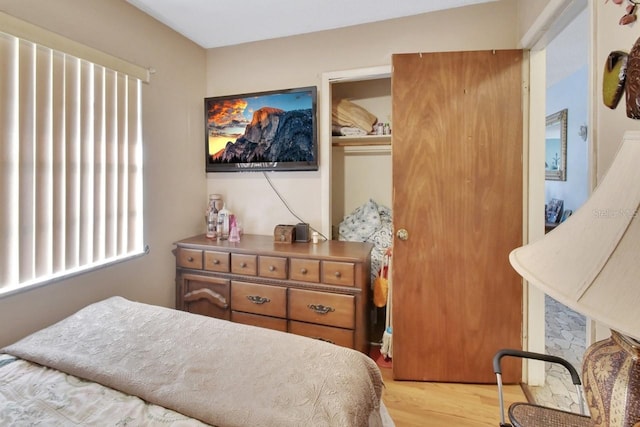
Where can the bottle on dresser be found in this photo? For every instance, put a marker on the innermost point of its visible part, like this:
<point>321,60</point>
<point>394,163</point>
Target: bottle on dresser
<point>222,230</point>
<point>212,222</point>
<point>234,232</point>
<point>212,215</point>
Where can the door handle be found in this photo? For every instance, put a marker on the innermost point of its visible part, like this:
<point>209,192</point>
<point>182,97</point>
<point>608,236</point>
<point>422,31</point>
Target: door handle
<point>402,234</point>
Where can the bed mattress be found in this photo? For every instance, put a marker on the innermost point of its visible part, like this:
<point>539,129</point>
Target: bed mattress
<point>125,361</point>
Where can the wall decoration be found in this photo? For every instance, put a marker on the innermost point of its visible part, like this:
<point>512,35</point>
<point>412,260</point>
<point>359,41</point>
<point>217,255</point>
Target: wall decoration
<point>631,9</point>
<point>632,83</point>
<point>622,75</point>
<point>622,70</point>
<point>555,164</point>
<point>614,76</point>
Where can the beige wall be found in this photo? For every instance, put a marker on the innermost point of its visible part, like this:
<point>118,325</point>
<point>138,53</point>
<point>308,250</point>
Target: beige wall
<point>528,11</point>
<point>175,183</point>
<point>610,125</point>
<point>176,186</point>
<point>606,126</point>
<point>301,60</point>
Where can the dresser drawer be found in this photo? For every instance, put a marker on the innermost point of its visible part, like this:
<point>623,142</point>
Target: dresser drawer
<point>272,267</point>
<point>258,320</point>
<point>189,258</point>
<point>338,273</point>
<point>338,336</point>
<point>305,270</point>
<point>259,299</point>
<point>321,307</point>
<point>244,264</point>
<point>209,296</point>
<point>216,261</point>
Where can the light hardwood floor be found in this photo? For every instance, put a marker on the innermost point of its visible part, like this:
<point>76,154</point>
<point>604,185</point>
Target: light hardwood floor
<point>427,404</point>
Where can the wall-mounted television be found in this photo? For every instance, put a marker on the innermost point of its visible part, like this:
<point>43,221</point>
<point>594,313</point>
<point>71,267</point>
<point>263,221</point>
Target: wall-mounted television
<point>263,131</point>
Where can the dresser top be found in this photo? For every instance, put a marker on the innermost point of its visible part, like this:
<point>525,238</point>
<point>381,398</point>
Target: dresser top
<point>265,245</point>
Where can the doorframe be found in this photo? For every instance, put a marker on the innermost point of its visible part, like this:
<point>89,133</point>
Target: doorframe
<point>326,146</point>
<point>551,21</point>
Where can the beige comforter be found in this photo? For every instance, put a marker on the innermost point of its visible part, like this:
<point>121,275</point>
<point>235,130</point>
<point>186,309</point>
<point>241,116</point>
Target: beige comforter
<point>221,373</point>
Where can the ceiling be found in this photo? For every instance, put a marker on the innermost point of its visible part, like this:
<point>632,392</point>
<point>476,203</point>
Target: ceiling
<point>569,50</point>
<point>215,23</point>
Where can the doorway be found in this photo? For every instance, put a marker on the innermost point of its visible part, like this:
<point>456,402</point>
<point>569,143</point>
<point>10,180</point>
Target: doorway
<point>567,88</point>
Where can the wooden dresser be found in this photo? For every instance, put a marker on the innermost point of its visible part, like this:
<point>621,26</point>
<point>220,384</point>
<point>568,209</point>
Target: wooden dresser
<point>317,290</point>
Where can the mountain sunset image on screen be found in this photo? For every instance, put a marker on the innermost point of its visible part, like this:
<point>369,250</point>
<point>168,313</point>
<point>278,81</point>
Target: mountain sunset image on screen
<point>262,131</point>
<point>229,118</point>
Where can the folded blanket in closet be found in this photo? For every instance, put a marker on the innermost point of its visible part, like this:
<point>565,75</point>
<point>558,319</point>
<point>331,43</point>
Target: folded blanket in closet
<point>349,114</point>
<point>348,131</point>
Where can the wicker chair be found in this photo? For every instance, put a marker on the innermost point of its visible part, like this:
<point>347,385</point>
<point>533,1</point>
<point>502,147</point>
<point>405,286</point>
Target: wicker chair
<point>531,415</point>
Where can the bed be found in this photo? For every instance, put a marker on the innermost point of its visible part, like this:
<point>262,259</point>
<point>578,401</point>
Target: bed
<point>119,362</point>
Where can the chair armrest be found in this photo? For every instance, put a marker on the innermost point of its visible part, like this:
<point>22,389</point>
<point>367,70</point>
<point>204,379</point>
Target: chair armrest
<point>575,378</point>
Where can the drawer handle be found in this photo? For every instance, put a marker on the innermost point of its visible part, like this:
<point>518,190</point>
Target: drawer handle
<point>272,268</point>
<point>206,294</point>
<point>257,299</point>
<point>190,259</point>
<point>216,261</point>
<point>337,274</point>
<point>321,309</point>
<point>303,271</point>
<point>243,264</point>
<point>324,339</point>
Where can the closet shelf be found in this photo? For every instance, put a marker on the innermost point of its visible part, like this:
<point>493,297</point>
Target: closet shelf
<point>344,141</point>
<point>364,149</point>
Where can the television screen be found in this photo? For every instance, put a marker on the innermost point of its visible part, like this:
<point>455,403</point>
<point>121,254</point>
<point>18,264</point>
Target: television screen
<point>262,131</point>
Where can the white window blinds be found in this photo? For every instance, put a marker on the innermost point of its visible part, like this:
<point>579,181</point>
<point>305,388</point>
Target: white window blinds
<point>70,165</point>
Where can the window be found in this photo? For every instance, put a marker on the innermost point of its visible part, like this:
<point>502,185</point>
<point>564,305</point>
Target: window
<point>70,161</point>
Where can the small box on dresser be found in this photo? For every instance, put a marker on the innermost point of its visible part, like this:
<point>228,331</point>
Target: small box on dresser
<point>318,290</point>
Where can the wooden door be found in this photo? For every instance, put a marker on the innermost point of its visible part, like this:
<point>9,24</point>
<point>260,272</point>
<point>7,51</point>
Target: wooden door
<point>457,190</point>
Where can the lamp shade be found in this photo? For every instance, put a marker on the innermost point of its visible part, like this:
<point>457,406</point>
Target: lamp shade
<point>591,261</point>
